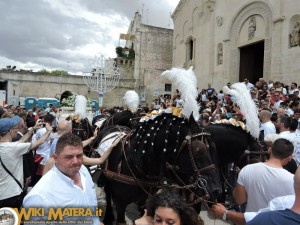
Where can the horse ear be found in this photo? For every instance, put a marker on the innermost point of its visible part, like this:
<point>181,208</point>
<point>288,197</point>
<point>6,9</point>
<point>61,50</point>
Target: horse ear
<point>193,124</point>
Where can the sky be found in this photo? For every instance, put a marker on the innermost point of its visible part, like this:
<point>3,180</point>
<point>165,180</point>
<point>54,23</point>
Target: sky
<point>69,34</point>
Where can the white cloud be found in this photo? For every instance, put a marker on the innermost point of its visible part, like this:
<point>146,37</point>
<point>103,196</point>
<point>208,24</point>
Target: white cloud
<point>63,34</point>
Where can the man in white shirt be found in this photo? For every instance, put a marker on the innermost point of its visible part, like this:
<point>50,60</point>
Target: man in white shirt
<point>293,87</point>
<point>277,101</point>
<point>278,203</point>
<point>249,86</point>
<point>68,184</point>
<point>266,125</point>
<point>179,102</point>
<point>289,215</point>
<point>283,124</point>
<point>255,189</point>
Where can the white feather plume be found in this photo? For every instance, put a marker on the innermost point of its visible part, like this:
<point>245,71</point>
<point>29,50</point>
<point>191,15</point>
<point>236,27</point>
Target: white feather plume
<point>80,106</point>
<point>241,96</point>
<point>186,82</point>
<point>132,100</point>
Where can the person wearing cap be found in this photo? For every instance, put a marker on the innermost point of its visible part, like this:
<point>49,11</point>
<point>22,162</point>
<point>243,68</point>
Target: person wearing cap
<point>296,93</point>
<point>11,155</point>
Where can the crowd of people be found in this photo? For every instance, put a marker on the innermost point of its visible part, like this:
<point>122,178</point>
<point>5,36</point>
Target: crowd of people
<point>37,148</point>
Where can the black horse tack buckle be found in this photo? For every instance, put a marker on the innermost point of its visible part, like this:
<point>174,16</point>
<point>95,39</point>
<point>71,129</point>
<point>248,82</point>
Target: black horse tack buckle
<point>201,182</point>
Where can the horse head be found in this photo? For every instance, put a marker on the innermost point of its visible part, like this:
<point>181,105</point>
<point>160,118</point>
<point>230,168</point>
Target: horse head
<point>125,119</point>
<point>200,152</point>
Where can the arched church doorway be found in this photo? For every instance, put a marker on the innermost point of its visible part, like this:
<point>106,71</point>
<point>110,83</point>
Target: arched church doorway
<point>252,62</point>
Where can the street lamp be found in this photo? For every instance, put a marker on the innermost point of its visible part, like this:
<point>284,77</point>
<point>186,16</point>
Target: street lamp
<point>103,77</point>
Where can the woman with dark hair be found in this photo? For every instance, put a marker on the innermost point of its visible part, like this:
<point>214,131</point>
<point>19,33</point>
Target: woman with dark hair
<point>30,118</point>
<point>168,207</point>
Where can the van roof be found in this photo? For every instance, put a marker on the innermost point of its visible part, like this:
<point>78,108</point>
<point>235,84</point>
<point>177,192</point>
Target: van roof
<point>48,99</point>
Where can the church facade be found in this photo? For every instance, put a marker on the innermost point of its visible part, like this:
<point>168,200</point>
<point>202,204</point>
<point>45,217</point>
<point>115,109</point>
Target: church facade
<point>230,40</point>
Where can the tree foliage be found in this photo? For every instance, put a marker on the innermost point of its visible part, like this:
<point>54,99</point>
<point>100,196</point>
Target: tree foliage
<point>9,68</point>
<point>121,52</point>
<point>44,71</point>
<point>59,72</point>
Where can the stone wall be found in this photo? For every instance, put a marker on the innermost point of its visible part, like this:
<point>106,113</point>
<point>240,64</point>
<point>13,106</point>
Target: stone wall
<point>20,85</point>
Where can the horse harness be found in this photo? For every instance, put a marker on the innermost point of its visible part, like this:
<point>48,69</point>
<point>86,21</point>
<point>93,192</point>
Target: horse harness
<point>200,182</point>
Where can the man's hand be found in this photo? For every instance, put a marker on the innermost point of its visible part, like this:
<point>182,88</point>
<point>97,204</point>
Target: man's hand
<point>27,181</point>
<point>116,141</point>
<point>144,220</point>
<point>96,132</point>
<point>218,210</point>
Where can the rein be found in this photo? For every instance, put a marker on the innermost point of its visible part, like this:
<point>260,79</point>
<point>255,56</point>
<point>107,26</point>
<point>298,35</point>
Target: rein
<point>200,181</point>
<point>248,153</point>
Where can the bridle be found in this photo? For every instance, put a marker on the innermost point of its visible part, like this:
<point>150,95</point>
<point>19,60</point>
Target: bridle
<point>200,181</point>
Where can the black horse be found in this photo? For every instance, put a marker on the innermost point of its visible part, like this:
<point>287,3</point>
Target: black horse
<point>233,144</point>
<point>235,148</point>
<point>125,118</point>
<point>165,152</point>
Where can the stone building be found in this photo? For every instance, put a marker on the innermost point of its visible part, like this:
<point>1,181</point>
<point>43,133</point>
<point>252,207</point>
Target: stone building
<point>153,55</point>
<point>229,40</point>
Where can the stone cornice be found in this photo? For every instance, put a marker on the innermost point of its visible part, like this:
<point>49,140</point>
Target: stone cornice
<point>178,9</point>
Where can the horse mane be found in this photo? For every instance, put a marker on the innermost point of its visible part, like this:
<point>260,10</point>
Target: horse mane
<point>229,127</point>
<point>98,117</point>
<point>120,118</point>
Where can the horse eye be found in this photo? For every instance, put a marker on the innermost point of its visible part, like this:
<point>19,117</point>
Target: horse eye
<point>198,148</point>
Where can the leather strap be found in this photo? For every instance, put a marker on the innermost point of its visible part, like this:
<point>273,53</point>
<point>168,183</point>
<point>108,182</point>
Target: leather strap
<point>10,174</point>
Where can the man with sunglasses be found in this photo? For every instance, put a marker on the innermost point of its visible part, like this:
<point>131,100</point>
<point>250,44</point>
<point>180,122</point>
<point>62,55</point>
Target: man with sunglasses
<point>277,100</point>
